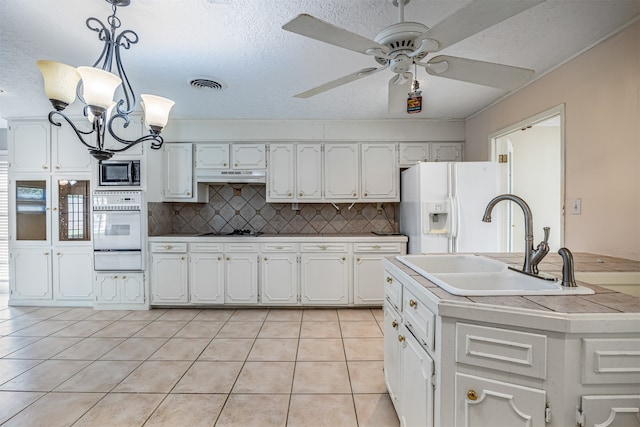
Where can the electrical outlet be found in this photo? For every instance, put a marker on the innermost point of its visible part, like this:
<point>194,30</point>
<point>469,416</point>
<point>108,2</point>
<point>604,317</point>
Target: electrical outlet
<point>576,207</point>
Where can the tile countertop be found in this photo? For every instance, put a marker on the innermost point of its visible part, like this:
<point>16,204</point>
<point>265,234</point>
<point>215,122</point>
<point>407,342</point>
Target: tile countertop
<point>367,237</point>
<point>603,301</point>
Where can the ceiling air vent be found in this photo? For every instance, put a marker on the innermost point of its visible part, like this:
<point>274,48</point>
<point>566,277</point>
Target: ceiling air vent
<point>204,83</point>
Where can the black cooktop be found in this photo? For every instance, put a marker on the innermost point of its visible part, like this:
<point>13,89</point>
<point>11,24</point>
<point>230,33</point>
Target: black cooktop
<point>235,232</point>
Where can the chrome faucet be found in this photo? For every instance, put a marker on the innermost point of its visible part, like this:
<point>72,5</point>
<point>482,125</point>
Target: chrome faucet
<point>532,257</point>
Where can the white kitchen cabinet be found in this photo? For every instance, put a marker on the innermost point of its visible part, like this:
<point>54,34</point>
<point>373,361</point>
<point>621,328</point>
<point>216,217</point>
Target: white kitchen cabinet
<point>279,274</point>
<point>325,274</point>
<point>308,172</point>
<point>206,274</point>
<point>178,171</point>
<point>73,273</point>
<point>230,156</point>
<point>281,173</point>
<point>115,287</point>
<point>392,355</point>
<point>241,278</point>
<point>416,393</point>
<point>485,402</point>
<point>31,274</point>
<point>411,153</point>
<point>248,156</point>
<point>368,284</point>
<point>446,151</point>
<point>212,156</point>
<point>609,410</point>
<point>380,175</point>
<point>38,146</point>
<point>169,276</point>
<point>341,171</point>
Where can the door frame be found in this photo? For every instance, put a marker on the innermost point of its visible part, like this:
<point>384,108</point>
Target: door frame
<point>558,110</point>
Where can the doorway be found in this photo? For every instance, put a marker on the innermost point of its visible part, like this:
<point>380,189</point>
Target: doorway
<point>531,158</point>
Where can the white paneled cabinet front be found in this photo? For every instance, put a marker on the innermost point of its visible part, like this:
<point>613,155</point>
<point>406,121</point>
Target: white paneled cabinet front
<point>31,272</point>
<point>73,273</point>
<point>379,172</point>
<point>279,272</point>
<point>446,151</point>
<point>120,288</point>
<point>241,273</point>
<point>368,285</point>
<point>248,156</point>
<point>281,175</point>
<point>325,274</point>
<point>206,277</point>
<point>308,172</point>
<point>178,170</point>
<point>341,171</point>
<point>212,156</point>
<point>411,153</point>
<point>416,405</point>
<point>169,275</point>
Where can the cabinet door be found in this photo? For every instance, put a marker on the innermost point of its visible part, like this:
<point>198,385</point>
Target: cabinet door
<point>132,288</point>
<point>446,151</point>
<point>279,278</point>
<point>341,171</point>
<point>206,278</point>
<point>380,174</point>
<point>67,152</point>
<point>73,273</point>
<point>412,153</point>
<point>484,402</point>
<point>611,410</point>
<point>107,288</point>
<point>31,199</point>
<point>30,146</point>
<point>71,221</point>
<point>368,274</point>
<point>392,354</point>
<point>31,274</point>
<point>416,397</point>
<point>308,171</point>
<point>281,172</point>
<point>169,278</point>
<point>241,278</point>
<point>248,156</point>
<point>178,171</point>
<point>212,156</point>
<point>325,279</point>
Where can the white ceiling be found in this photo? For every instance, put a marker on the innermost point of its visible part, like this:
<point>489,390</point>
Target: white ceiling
<point>241,43</point>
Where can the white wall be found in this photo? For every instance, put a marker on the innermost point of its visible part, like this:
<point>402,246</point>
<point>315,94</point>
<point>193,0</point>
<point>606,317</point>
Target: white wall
<point>601,93</point>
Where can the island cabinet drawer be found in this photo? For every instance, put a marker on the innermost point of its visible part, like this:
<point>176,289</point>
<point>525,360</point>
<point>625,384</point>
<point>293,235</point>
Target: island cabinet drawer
<point>279,247</point>
<point>390,248</point>
<point>418,318</point>
<point>504,350</point>
<point>205,247</point>
<point>168,247</point>
<point>393,291</point>
<point>241,247</point>
<point>611,361</point>
<point>325,247</point>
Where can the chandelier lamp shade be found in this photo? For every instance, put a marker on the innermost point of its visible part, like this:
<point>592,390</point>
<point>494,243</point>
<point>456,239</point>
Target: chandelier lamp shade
<point>96,87</point>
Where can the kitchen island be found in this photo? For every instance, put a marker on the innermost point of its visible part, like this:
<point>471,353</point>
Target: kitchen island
<point>512,360</point>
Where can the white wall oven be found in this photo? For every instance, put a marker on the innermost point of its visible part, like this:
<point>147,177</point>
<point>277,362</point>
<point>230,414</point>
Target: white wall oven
<point>117,231</point>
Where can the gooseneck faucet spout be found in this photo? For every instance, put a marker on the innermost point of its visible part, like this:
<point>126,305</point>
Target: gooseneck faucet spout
<point>528,266</point>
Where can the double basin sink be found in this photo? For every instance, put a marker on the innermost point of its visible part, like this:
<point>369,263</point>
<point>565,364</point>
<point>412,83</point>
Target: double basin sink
<point>475,275</point>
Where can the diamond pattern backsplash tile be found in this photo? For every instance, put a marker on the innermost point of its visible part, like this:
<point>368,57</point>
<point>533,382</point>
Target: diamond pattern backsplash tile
<point>244,206</point>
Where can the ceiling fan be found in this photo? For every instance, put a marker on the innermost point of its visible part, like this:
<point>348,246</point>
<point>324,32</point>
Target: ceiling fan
<point>403,46</point>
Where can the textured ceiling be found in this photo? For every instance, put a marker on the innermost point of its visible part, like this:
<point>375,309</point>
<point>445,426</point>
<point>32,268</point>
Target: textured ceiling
<point>241,43</point>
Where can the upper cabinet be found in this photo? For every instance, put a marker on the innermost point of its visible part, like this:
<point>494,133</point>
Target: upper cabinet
<point>178,175</point>
<point>411,153</point>
<point>446,151</point>
<point>230,156</point>
<point>335,172</point>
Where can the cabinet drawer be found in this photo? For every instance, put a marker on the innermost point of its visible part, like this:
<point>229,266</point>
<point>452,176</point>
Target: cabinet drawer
<point>418,318</point>
<point>393,291</point>
<point>205,247</point>
<point>391,248</point>
<point>325,247</point>
<point>279,247</point>
<point>610,361</point>
<point>168,247</point>
<point>505,350</point>
<point>241,247</point>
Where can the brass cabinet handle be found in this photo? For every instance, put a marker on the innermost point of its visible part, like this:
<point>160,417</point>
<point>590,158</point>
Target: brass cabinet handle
<point>188,193</point>
<point>389,279</point>
<point>357,259</point>
<point>45,167</point>
<point>344,258</point>
<point>224,164</point>
<point>394,324</point>
<point>300,194</point>
<point>235,165</point>
<point>228,259</point>
<point>265,258</point>
<point>412,303</point>
<point>57,166</point>
<point>181,258</point>
<point>168,247</point>
<point>58,253</point>
<point>289,195</point>
<point>355,194</point>
<point>400,338</point>
<point>366,194</point>
<point>124,277</point>
<point>376,247</point>
<point>219,258</point>
<point>323,247</point>
<point>115,277</point>
<point>472,395</point>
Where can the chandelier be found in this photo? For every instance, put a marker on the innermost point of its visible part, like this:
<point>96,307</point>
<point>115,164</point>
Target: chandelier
<point>95,87</point>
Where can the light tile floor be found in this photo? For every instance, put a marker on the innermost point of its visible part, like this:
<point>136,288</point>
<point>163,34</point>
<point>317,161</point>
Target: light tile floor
<point>192,367</point>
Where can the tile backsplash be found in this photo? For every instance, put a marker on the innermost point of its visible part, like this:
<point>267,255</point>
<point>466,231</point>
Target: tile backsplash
<point>244,206</point>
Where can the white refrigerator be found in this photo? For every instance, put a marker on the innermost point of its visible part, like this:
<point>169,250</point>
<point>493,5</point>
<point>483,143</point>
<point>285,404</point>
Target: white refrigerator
<point>442,204</point>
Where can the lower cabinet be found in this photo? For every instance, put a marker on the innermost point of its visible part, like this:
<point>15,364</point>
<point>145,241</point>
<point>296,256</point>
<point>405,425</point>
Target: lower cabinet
<point>73,273</point>
<point>368,271</point>
<point>206,277</point>
<point>609,410</point>
<point>169,275</point>
<point>279,272</point>
<point>324,276</point>
<point>119,288</point>
<point>241,278</point>
<point>31,271</point>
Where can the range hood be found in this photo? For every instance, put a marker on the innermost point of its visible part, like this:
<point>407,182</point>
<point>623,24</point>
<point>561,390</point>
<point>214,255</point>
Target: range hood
<point>211,176</point>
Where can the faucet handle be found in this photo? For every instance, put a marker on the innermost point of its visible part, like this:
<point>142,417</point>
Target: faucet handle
<point>546,230</point>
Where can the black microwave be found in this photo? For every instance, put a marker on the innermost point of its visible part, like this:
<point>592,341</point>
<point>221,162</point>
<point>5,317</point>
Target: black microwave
<point>119,172</point>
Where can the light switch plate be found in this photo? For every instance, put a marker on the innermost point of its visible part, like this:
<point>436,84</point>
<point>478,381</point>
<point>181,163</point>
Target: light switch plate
<point>576,206</point>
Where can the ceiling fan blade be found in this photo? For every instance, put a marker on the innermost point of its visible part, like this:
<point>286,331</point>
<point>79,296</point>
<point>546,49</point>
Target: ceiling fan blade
<point>339,82</point>
<point>309,26</point>
<point>479,72</point>
<point>399,88</point>
<point>473,18</point>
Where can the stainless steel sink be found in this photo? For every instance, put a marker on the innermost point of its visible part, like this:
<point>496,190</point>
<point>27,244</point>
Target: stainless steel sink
<point>474,275</point>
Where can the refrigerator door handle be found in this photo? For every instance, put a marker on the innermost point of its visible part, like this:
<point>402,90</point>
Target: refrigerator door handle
<point>454,209</point>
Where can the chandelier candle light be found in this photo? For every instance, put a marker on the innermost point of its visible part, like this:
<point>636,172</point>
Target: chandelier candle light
<point>95,87</point>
